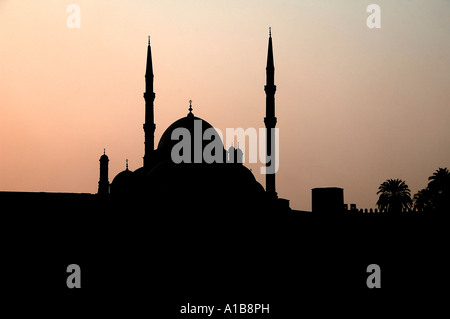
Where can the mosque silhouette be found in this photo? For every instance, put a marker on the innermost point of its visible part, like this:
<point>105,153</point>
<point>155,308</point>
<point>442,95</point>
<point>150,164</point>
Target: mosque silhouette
<point>167,234</point>
<point>195,184</point>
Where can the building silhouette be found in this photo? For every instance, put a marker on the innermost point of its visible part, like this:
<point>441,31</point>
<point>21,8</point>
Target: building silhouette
<point>141,246</point>
<point>195,183</point>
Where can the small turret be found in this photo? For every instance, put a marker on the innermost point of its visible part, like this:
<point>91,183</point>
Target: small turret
<point>235,155</point>
<point>230,154</point>
<point>103,183</point>
<point>239,155</point>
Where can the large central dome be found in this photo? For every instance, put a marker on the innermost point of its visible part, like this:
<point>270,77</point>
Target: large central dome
<point>195,125</point>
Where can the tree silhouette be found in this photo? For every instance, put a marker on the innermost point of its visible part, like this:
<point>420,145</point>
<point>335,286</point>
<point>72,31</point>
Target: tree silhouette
<point>436,196</point>
<point>423,200</point>
<point>395,196</point>
<point>439,181</point>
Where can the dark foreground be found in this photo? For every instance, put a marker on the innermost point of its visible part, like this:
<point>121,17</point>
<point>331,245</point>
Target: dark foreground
<point>138,262</point>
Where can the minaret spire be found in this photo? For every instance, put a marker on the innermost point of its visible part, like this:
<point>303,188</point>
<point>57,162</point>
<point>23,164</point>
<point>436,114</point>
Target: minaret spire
<point>190,114</point>
<point>149,96</point>
<point>270,121</point>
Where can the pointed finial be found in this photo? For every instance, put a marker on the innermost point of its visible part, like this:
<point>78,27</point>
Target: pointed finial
<point>148,40</point>
<point>270,32</point>
<point>104,151</point>
<point>190,106</point>
<point>127,164</point>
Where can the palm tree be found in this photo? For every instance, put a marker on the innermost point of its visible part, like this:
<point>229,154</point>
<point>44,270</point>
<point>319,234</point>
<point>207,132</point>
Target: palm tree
<point>395,196</point>
<point>423,200</point>
<point>440,180</point>
<point>439,188</point>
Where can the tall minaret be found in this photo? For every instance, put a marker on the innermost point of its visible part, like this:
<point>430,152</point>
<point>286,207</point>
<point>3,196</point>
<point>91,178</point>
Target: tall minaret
<point>270,120</point>
<point>103,183</point>
<point>149,96</point>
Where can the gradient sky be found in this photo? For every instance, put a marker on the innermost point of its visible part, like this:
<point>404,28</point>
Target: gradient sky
<point>355,106</point>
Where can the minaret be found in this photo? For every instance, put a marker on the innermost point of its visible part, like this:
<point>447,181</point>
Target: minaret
<point>103,183</point>
<point>149,96</point>
<point>270,120</point>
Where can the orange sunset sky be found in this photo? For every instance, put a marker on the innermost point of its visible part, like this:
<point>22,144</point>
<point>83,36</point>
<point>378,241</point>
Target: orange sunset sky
<point>355,106</point>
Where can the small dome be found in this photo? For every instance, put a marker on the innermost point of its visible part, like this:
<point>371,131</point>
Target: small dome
<point>104,157</point>
<point>123,175</point>
<point>123,182</point>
